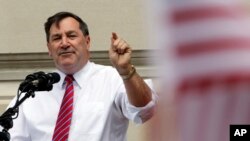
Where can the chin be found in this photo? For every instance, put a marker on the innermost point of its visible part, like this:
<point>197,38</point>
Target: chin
<point>66,62</point>
<point>67,69</point>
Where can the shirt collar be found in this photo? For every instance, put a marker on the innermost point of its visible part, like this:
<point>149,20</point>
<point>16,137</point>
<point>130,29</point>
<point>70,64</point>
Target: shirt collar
<point>82,75</point>
<point>79,77</point>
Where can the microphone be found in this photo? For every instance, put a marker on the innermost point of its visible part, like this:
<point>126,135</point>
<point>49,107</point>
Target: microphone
<point>39,81</point>
<point>32,77</point>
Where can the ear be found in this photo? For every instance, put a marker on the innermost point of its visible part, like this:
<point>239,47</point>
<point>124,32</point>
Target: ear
<point>49,49</point>
<point>88,42</point>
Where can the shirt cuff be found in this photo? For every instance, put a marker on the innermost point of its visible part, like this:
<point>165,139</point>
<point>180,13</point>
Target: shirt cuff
<point>142,114</point>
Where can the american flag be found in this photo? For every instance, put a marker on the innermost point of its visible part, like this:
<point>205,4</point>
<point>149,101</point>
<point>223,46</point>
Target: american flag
<point>206,45</point>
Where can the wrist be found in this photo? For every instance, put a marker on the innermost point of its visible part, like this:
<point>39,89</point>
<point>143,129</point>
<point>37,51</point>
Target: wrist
<point>124,70</point>
<point>129,74</point>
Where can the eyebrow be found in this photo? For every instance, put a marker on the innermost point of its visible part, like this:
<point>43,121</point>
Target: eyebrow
<point>59,34</point>
<point>70,32</point>
<point>56,35</point>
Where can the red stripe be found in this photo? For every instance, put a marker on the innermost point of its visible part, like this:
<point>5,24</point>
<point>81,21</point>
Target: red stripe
<point>206,12</point>
<point>207,46</point>
<point>206,82</point>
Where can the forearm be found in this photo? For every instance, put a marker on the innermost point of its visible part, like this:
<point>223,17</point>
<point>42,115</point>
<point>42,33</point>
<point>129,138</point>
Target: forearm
<point>139,94</point>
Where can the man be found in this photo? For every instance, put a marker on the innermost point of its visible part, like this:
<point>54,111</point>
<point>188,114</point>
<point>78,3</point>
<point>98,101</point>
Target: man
<point>103,99</point>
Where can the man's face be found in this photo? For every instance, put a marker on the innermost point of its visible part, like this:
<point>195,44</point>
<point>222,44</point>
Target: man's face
<point>68,46</point>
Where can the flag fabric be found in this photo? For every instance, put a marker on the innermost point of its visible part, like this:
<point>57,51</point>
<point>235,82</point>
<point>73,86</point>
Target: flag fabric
<point>207,47</point>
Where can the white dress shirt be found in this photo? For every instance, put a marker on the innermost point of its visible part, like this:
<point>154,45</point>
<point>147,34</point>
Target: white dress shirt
<point>101,108</point>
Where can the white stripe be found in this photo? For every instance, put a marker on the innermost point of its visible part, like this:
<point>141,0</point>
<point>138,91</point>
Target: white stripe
<point>189,115</point>
<point>242,98</point>
<point>67,94</point>
<point>62,113</point>
<point>218,106</point>
<point>70,84</point>
<point>59,127</point>
<point>61,132</point>
<point>210,29</point>
<point>181,4</point>
<point>212,63</point>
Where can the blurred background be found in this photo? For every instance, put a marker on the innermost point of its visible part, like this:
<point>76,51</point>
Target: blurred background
<point>205,74</point>
<point>197,53</point>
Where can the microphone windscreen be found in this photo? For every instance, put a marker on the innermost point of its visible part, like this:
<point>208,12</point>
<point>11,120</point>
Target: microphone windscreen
<point>55,76</point>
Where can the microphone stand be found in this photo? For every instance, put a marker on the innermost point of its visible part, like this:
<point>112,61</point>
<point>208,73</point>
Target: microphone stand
<point>6,120</point>
<point>35,82</point>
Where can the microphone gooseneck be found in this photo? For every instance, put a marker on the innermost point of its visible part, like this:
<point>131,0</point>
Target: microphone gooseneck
<point>39,81</point>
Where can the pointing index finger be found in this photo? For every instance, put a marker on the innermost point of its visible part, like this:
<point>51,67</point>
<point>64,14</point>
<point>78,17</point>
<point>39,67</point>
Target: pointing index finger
<point>114,36</point>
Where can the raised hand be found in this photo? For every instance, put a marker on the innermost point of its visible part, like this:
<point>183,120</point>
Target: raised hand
<point>120,54</point>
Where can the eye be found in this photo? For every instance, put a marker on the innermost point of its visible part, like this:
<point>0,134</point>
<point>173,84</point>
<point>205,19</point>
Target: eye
<point>72,36</point>
<point>56,38</point>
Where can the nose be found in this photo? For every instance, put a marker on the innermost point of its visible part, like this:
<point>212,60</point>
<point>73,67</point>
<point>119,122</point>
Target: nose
<point>65,42</point>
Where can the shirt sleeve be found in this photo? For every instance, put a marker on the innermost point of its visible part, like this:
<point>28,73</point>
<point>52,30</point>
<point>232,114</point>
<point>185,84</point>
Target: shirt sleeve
<point>19,130</point>
<point>136,114</point>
